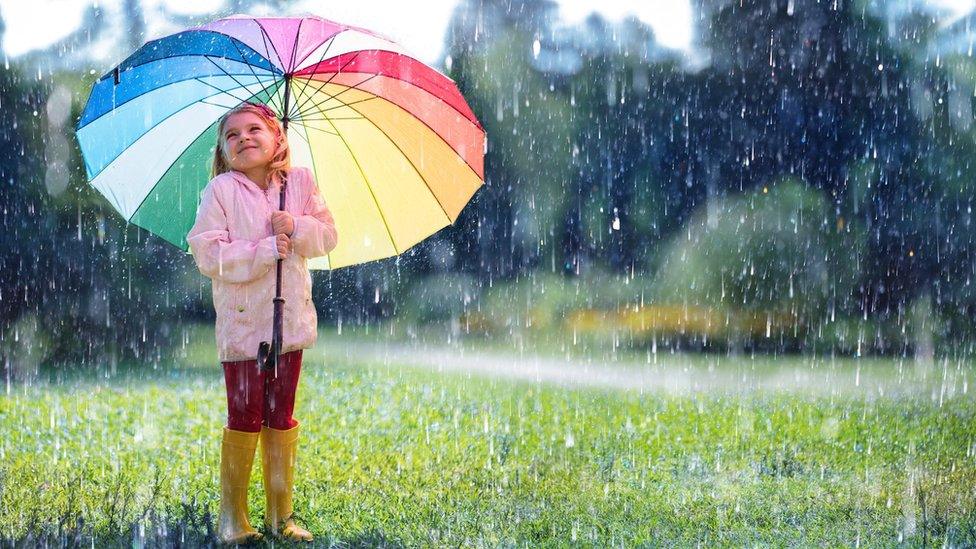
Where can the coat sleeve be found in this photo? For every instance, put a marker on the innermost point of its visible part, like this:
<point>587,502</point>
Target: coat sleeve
<point>219,257</point>
<point>315,233</point>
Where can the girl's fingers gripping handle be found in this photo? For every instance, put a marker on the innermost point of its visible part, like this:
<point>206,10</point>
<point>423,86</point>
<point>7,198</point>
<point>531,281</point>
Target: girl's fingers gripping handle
<point>284,245</point>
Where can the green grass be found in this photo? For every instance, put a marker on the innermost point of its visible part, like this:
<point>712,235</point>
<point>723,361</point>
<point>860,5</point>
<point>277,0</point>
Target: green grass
<point>399,456</point>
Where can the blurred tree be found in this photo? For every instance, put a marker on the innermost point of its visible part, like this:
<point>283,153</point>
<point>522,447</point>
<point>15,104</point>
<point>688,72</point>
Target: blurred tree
<point>765,250</point>
<point>22,215</point>
<point>809,88</point>
<point>106,291</point>
<point>942,97</point>
<point>82,287</point>
<point>623,96</point>
<point>513,225</point>
<point>135,24</point>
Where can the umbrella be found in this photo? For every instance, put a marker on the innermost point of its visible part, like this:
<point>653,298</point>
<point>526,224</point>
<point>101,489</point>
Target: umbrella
<point>396,150</point>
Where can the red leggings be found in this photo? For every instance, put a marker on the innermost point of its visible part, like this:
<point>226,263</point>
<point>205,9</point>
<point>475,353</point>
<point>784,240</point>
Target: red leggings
<point>256,398</point>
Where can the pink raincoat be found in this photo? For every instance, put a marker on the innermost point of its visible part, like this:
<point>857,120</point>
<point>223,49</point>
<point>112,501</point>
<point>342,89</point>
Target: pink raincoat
<point>232,244</point>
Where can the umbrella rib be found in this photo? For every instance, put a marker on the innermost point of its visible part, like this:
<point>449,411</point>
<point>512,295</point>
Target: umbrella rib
<point>232,77</point>
<point>356,102</point>
<point>302,124</point>
<point>386,225</point>
<point>304,138</point>
<point>223,91</point>
<point>265,33</point>
<point>268,47</point>
<point>437,97</point>
<point>356,86</point>
<point>347,88</point>
<point>241,61</point>
<point>294,49</point>
<point>322,57</point>
<point>270,73</point>
<point>308,80</point>
<point>174,113</point>
<point>267,41</point>
<point>205,102</point>
<point>305,102</point>
<point>264,90</point>
<point>401,108</point>
<point>344,118</point>
<point>315,170</point>
<point>343,105</point>
<point>412,165</point>
<point>397,106</point>
<point>175,160</point>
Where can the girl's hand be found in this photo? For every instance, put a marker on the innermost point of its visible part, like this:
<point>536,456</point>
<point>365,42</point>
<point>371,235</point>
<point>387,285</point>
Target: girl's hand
<point>282,223</point>
<point>284,245</point>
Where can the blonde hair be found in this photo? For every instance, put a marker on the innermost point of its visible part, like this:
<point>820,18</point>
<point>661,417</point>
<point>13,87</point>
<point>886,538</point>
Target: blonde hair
<point>280,161</point>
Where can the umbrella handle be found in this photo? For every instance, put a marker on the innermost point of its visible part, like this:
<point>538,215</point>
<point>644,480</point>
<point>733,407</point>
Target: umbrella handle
<point>268,351</point>
<point>267,360</point>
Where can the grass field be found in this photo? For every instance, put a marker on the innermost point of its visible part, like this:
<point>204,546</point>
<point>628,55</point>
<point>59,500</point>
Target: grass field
<point>406,456</point>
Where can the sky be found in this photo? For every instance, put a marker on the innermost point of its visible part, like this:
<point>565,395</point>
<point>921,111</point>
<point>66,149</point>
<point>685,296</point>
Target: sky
<point>29,24</point>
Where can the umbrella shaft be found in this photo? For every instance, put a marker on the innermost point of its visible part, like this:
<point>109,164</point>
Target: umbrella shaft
<point>284,110</point>
<point>279,310</point>
<point>279,302</point>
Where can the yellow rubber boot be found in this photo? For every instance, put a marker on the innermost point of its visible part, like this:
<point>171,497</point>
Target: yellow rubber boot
<point>236,458</point>
<point>278,450</point>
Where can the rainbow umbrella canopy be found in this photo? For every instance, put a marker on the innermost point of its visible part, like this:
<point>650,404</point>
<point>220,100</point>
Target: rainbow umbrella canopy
<point>395,149</point>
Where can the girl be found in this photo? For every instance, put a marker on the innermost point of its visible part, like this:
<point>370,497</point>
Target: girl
<point>238,236</point>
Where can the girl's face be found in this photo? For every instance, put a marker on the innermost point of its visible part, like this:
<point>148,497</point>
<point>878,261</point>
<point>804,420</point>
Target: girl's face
<point>248,142</point>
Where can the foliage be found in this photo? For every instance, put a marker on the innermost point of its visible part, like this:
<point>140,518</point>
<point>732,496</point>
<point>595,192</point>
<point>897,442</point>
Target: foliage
<point>767,250</point>
<point>95,289</point>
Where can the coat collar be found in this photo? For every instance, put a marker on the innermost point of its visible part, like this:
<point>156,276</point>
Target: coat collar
<point>245,180</point>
